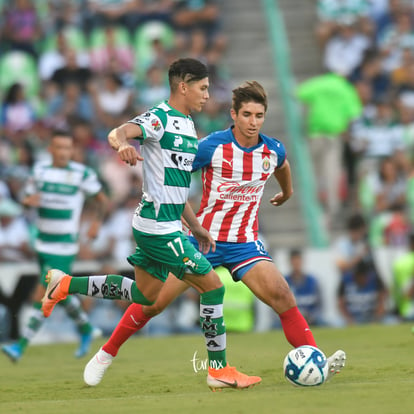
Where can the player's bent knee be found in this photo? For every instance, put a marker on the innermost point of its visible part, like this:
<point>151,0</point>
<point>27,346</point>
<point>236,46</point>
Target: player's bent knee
<point>214,294</point>
<point>154,310</point>
<point>148,300</point>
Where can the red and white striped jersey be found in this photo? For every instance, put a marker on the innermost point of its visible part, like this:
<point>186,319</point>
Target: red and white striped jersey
<point>233,180</point>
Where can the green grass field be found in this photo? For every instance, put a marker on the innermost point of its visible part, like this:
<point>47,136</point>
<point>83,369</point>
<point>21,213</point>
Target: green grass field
<point>156,375</point>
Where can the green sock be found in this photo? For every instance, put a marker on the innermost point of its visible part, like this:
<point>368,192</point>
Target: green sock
<point>33,325</point>
<point>108,287</point>
<point>74,310</point>
<point>212,324</point>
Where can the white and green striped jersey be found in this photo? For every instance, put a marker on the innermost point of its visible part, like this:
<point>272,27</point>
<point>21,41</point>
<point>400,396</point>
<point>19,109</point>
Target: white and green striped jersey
<point>169,146</point>
<point>62,194</point>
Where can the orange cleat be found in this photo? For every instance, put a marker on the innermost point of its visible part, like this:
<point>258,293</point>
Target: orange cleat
<point>229,377</point>
<point>57,290</point>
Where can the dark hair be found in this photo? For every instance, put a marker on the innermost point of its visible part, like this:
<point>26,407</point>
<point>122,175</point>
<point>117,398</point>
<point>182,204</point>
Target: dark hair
<point>61,133</point>
<point>115,78</point>
<point>11,94</point>
<point>362,267</point>
<point>249,91</point>
<point>186,70</point>
<point>295,253</point>
<point>370,55</point>
<point>356,222</point>
<point>75,121</point>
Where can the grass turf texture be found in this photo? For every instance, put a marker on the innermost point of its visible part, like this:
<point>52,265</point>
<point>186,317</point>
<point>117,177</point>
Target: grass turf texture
<point>156,375</point>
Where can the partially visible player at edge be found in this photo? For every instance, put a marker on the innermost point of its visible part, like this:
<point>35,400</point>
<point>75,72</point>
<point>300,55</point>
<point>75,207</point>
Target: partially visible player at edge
<point>169,145</point>
<point>57,190</point>
<point>235,164</point>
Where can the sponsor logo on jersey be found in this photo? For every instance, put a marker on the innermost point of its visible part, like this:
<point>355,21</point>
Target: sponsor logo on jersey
<point>155,124</point>
<point>229,162</point>
<point>139,120</point>
<point>230,190</point>
<point>192,144</point>
<point>178,140</point>
<point>181,161</point>
<point>189,263</point>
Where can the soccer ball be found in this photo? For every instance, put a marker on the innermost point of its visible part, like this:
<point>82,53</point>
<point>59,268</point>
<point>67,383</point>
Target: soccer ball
<point>306,366</point>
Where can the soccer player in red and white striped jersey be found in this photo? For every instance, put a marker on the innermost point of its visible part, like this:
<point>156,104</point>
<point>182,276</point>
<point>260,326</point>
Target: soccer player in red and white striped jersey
<point>234,173</point>
<point>235,165</point>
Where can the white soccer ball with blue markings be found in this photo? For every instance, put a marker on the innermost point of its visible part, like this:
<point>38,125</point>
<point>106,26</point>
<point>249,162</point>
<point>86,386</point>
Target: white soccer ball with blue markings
<point>306,366</point>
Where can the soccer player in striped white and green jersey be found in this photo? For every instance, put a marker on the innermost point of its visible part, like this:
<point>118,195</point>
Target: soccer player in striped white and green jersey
<point>57,189</point>
<point>168,147</point>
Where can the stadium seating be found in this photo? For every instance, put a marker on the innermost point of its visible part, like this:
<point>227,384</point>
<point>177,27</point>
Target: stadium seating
<point>98,36</point>
<point>143,38</point>
<point>18,66</point>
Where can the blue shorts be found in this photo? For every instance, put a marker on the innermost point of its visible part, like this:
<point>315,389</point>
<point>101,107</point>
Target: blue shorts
<point>238,258</point>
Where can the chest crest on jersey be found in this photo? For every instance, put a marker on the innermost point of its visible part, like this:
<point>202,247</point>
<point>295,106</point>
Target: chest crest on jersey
<point>266,164</point>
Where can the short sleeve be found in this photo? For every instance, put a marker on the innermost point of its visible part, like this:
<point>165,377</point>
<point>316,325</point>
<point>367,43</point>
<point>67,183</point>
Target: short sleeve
<point>151,124</point>
<point>280,150</point>
<point>205,153</point>
<point>90,183</point>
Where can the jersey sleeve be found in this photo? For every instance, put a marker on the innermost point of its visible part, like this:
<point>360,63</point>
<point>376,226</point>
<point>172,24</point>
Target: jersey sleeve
<point>206,148</point>
<point>152,124</point>
<point>280,150</point>
<point>90,183</point>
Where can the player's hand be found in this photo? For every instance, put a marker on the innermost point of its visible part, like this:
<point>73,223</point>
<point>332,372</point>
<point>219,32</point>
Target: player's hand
<point>205,241</point>
<point>279,199</point>
<point>93,230</point>
<point>129,154</point>
<point>32,200</point>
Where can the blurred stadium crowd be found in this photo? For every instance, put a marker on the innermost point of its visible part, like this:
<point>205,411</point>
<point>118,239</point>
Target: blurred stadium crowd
<point>361,140</point>
<point>86,66</point>
<point>371,45</point>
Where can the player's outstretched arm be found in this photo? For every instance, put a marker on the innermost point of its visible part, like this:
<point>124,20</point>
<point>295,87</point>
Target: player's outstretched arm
<point>119,138</point>
<point>283,176</point>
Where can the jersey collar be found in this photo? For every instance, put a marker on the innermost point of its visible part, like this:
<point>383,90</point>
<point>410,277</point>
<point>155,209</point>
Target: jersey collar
<point>165,106</point>
<point>246,149</point>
